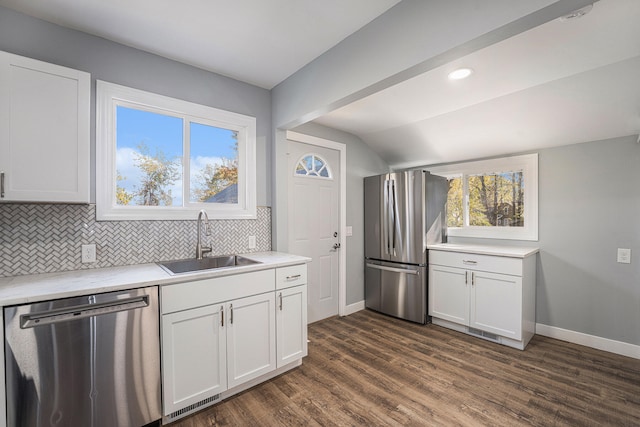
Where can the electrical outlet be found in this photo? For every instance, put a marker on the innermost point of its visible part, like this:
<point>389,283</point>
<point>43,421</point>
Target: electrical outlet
<point>252,242</point>
<point>624,256</point>
<point>88,253</point>
<point>348,230</point>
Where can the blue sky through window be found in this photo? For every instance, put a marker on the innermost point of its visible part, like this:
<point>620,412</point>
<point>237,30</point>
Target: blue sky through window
<point>164,133</point>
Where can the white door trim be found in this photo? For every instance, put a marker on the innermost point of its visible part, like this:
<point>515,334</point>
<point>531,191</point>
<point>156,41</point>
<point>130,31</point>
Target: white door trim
<point>342,215</point>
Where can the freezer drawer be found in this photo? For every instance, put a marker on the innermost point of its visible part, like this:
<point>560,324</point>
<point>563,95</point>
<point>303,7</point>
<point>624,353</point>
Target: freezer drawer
<point>398,290</point>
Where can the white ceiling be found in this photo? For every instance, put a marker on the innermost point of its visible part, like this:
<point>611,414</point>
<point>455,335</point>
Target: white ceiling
<point>557,84</point>
<point>261,42</point>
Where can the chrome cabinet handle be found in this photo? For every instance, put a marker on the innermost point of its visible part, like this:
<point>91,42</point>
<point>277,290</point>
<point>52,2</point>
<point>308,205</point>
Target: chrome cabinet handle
<point>469,262</point>
<point>294,277</point>
<point>473,278</point>
<point>222,316</point>
<point>231,315</point>
<point>336,246</point>
<point>1,185</point>
<point>466,278</point>
<point>280,301</point>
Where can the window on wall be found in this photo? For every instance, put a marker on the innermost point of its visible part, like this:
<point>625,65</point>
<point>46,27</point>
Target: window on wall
<point>313,165</point>
<point>164,158</point>
<point>493,198</point>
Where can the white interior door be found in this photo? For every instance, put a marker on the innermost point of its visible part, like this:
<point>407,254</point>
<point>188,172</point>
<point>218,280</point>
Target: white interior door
<point>314,205</point>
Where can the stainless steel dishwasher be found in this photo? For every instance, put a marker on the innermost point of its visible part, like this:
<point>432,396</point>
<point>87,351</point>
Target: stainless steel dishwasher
<point>85,361</point>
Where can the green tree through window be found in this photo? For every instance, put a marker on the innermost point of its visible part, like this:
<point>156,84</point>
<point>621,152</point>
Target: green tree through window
<point>494,200</point>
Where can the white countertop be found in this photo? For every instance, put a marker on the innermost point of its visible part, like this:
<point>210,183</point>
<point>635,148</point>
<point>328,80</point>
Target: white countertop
<point>506,251</point>
<point>42,287</point>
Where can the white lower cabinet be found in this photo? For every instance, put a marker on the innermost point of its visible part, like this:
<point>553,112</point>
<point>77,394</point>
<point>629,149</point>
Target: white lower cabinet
<point>194,368</point>
<point>251,338</point>
<point>220,334</point>
<point>486,301</point>
<point>291,321</point>
<point>491,297</point>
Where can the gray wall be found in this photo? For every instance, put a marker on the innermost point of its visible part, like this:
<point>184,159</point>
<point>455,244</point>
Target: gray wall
<point>112,62</point>
<point>589,205</point>
<point>361,162</point>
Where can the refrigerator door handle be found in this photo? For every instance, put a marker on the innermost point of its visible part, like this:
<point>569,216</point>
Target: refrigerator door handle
<point>385,216</point>
<point>393,269</point>
<point>394,212</point>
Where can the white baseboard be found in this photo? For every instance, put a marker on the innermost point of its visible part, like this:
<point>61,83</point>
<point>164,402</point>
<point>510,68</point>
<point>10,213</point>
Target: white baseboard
<point>618,347</point>
<point>353,308</point>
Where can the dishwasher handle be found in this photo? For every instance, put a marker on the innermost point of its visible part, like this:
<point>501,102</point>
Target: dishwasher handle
<point>82,311</point>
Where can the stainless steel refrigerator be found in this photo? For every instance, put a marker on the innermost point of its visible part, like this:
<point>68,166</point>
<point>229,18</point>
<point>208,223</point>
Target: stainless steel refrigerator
<point>403,213</point>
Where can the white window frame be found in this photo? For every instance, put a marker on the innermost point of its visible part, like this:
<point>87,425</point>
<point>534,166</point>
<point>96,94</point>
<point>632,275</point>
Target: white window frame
<point>317,156</point>
<point>109,96</point>
<point>528,164</point>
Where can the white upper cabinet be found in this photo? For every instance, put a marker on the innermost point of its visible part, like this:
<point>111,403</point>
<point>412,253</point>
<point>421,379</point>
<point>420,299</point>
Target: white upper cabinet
<point>44,131</point>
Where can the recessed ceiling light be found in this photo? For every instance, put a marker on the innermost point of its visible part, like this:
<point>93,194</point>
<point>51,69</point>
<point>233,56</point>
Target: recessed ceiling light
<point>576,14</point>
<point>460,73</point>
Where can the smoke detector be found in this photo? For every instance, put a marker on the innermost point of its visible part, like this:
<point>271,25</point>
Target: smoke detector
<point>577,14</point>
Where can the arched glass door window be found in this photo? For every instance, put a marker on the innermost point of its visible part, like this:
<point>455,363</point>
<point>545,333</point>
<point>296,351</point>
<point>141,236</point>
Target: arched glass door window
<point>313,165</point>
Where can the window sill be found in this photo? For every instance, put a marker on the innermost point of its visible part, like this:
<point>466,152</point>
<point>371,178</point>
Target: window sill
<point>493,233</point>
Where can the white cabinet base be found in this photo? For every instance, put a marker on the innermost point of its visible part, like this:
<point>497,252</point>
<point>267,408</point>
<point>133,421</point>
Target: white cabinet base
<point>223,335</point>
<point>520,345</point>
<point>487,296</point>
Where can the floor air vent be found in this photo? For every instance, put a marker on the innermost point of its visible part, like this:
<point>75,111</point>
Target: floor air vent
<point>191,408</point>
<point>483,334</point>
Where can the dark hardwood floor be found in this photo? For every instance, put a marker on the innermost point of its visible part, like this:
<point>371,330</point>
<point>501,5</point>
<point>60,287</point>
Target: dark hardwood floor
<point>372,370</point>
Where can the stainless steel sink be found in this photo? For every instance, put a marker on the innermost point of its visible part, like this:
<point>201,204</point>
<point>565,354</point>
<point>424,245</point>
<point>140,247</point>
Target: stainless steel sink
<point>192,265</point>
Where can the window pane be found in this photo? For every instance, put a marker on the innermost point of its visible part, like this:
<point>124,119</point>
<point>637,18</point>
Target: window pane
<point>455,211</point>
<point>213,164</point>
<point>496,200</point>
<point>311,165</point>
<point>148,158</point>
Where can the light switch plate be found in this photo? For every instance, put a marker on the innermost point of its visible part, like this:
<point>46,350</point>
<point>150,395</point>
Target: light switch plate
<point>252,242</point>
<point>624,256</point>
<point>348,231</point>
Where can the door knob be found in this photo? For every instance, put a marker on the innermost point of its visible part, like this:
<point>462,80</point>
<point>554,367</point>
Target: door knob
<point>336,246</point>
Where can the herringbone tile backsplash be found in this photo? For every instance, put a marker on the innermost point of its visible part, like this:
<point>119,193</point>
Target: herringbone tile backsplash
<point>37,238</point>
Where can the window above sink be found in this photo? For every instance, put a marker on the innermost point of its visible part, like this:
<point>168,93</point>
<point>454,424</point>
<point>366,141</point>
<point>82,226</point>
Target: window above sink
<point>160,158</point>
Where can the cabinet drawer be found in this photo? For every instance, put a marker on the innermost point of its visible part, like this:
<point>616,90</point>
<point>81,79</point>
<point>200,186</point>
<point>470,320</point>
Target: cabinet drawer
<point>498,264</point>
<point>183,296</point>
<point>287,277</point>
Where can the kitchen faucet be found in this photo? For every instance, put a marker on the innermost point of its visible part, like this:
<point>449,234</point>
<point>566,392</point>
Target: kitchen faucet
<point>200,250</point>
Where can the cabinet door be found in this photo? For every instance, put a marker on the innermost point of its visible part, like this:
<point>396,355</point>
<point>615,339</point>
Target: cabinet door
<point>193,356</point>
<point>251,338</point>
<point>291,323</point>
<point>496,304</point>
<point>44,131</point>
<point>449,294</point>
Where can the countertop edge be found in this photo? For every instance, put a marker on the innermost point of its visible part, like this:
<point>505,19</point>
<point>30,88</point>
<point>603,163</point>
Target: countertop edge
<point>503,251</point>
<point>27,289</point>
